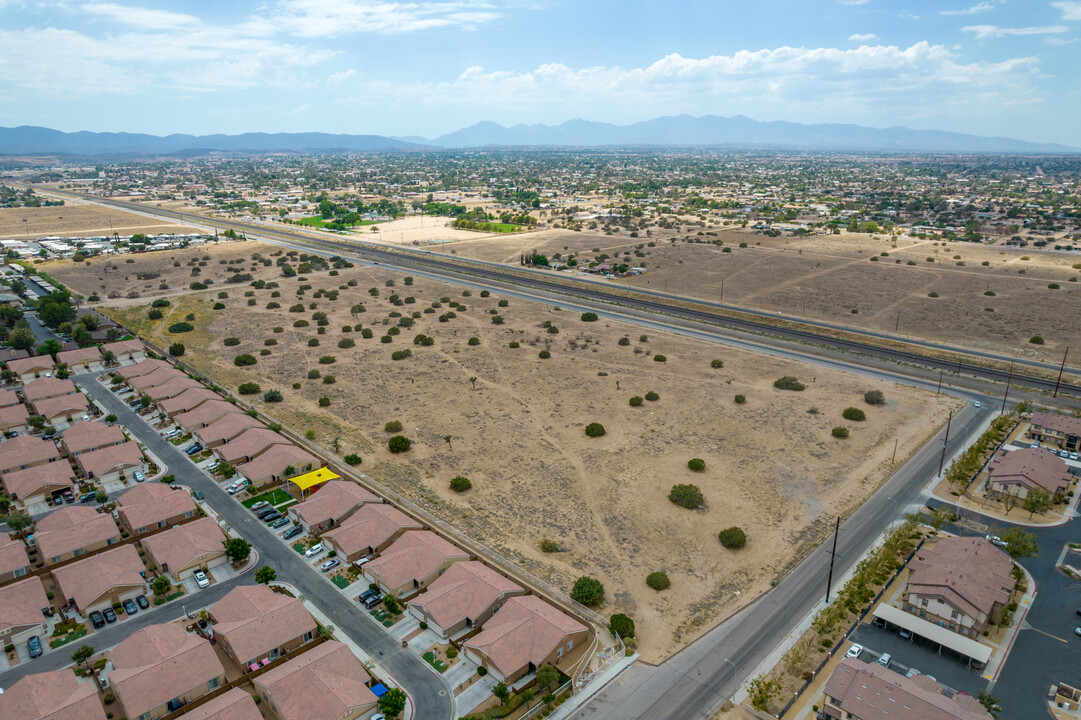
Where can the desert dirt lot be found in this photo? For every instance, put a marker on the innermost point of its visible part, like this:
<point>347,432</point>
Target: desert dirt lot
<point>772,465</point>
<point>79,220</point>
<point>827,277</point>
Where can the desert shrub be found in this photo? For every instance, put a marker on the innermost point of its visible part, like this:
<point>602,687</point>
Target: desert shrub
<point>460,484</point>
<point>588,591</point>
<point>740,399</point>
<point>270,341</point>
<point>660,358</point>
<point>245,359</point>
<point>874,397</point>
<point>658,580</point>
<point>346,343</point>
<point>401,354</point>
<point>219,306</point>
<point>313,374</point>
<point>176,349</point>
<point>932,294</point>
<point>513,345</point>
<point>160,303</point>
<point>989,293</point>
<point>717,364</point>
<point>352,459</point>
<point>497,319</point>
<point>474,341</point>
<point>327,360</point>
<point>301,323</point>
<point>367,333</point>
<point>589,317</point>
<point>1036,340</point>
<point>393,426</point>
<point>624,341</point>
<point>788,383</point>
<point>636,401</point>
<point>621,625</point>
<point>197,286</point>
<point>249,388</point>
<point>272,396</point>
<point>853,414</point>
<point>594,430</point>
<point>329,380</point>
<point>264,351</point>
<point>839,432</point>
<point>686,495</point>
<point>503,303</point>
<point>696,464</point>
<point>299,307</point>
<point>154,314</point>
<point>273,305</point>
<point>652,396</point>
<point>549,546</point>
<point>324,401</point>
<point>230,342</point>
<point>732,538</point>
<point>386,339</point>
<point>181,327</point>
<point>399,444</point>
<point>544,354</point>
<point>313,342</point>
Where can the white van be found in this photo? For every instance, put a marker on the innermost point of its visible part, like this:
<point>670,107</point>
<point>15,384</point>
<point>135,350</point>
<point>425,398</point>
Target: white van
<point>885,659</point>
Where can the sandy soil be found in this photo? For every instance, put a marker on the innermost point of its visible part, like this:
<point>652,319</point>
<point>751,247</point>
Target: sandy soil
<point>75,219</point>
<point>771,464</point>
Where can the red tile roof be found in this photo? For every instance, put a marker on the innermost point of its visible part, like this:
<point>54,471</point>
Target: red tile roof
<point>24,483</point>
<point>414,556</point>
<point>275,460</point>
<point>183,544</point>
<point>25,450</point>
<point>56,695</point>
<point>122,347</point>
<point>1031,468</point>
<point>205,414</point>
<point>79,355</point>
<point>43,388</point>
<point>154,378</point>
<point>968,573</point>
<point>107,459</point>
<point>63,406</point>
<point>321,684</point>
<point>21,603</point>
<point>85,435</point>
<point>525,630</point>
<point>89,579</point>
<point>1066,424</point>
<point>21,366</point>
<point>333,501</point>
<point>254,619</point>
<point>233,705</point>
<point>872,692</point>
<point>12,554</point>
<point>172,388</point>
<point>143,367</point>
<point>148,504</point>
<point>13,416</point>
<point>8,398</point>
<point>369,527</point>
<point>465,590</point>
<point>187,400</point>
<point>249,444</point>
<point>227,428</point>
<point>73,527</point>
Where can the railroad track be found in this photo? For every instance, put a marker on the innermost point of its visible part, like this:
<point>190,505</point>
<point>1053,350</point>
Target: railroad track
<point>950,360</point>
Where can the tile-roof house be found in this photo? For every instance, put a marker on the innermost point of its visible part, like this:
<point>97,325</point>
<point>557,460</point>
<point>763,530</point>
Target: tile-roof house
<point>100,580</point>
<point>154,378</point>
<point>274,464</point>
<point>86,359</point>
<point>190,399</point>
<point>74,531</point>
<point>56,695</point>
<point>209,412</point>
<point>143,367</point>
<point>370,530</point>
<point>868,691</point>
<point>35,484</point>
<point>225,429</point>
<point>161,668</point>
<point>25,451</point>
<point>150,506</point>
<point>22,610</point>
<point>254,623</point>
<point>1062,431</point>
<point>1018,471</point>
<point>961,583</point>
<point>171,389</point>
<point>26,369</point>
<point>412,562</point>
<point>249,445</point>
<point>14,418</point>
<point>463,598</point>
<point>125,351</point>
<point>87,436</point>
<point>326,683</point>
<point>63,409</point>
<point>330,504</point>
<point>108,463</point>
<point>14,562</point>
<point>45,388</point>
<point>9,398</point>
<point>524,635</point>
<point>180,551</point>
<point>232,705</point>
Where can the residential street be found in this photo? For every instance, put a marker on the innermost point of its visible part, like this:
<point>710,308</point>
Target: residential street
<point>431,697</point>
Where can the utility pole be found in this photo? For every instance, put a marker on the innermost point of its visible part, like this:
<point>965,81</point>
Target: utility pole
<point>894,459</point>
<point>722,297</point>
<point>1008,379</point>
<point>898,323</point>
<point>833,555</point>
<point>945,443</point>
<point>940,371</point>
<point>1060,368</point>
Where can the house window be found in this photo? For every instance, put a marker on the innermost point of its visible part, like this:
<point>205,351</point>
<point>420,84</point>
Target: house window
<point>79,551</point>
<point>212,683</point>
<point>953,626</point>
<point>308,636</point>
<point>559,652</point>
<point>923,613</point>
<point>56,559</point>
<point>142,529</point>
<point>111,541</point>
<point>570,644</point>
<point>189,514</point>
<point>19,572</point>
<point>162,523</point>
<point>145,716</point>
<point>954,615</point>
<point>924,602</point>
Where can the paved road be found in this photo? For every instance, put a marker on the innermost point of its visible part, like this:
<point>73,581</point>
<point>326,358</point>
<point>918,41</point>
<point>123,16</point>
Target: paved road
<point>693,683</point>
<point>41,332</point>
<point>110,635</point>
<point>430,696</point>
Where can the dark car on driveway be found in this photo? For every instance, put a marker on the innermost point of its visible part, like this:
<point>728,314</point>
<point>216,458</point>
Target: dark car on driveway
<point>262,514</point>
<point>272,516</point>
<point>193,449</point>
<point>110,616</point>
<point>280,523</point>
<point>129,607</point>
<point>143,602</point>
<point>34,646</point>
<point>293,532</point>
<point>97,620</point>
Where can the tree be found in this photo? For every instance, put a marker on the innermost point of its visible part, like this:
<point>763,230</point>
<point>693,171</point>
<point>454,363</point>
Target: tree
<point>501,691</point>
<point>588,591</point>
<point>176,349</point>
<point>732,538</point>
<point>658,580</point>
<point>460,484</point>
<point>1038,500</point>
<point>762,691</point>
<point>390,604</point>
<point>473,381</point>
<point>238,550</point>
<point>594,430</point>
<point>49,347</point>
<point>392,704</point>
<point>161,585</point>
<point>548,676</point>
<point>686,495</point>
<point>990,703</point>
<point>399,444</point>
<point>22,338</point>
<point>853,414</point>
<point>1019,543</point>
<point>82,655</point>
<point>101,497</point>
<point>589,317</point>
<point>19,522</point>
<point>265,575</point>
<point>874,397</point>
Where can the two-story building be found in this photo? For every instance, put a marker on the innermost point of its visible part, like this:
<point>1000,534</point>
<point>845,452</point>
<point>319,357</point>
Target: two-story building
<point>1061,431</point>
<point>24,451</point>
<point>1018,471</point>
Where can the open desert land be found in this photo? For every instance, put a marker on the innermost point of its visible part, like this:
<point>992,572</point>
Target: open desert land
<point>76,219</point>
<point>827,277</point>
<point>771,464</point>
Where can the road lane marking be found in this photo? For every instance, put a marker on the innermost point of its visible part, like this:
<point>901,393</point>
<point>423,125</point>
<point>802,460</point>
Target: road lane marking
<point>1053,637</point>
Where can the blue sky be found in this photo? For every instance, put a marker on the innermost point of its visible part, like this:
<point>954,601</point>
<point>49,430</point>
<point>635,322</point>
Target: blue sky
<point>988,67</point>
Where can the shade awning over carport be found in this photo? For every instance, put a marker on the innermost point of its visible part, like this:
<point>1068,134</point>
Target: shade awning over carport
<point>931,631</point>
<point>315,477</point>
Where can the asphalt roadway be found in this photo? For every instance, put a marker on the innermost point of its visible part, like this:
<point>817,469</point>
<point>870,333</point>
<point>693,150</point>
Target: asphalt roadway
<point>430,696</point>
<point>696,681</point>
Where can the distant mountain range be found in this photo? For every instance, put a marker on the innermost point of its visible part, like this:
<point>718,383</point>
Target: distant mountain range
<point>673,131</point>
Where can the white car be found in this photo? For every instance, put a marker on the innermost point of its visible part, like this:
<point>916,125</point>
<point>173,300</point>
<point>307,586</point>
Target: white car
<point>201,579</point>
<point>139,477</point>
<point>1074,456</point>
<point>84,418</point>
<point>996,540</point>
<point>314,550</point>
<point>855,651</point>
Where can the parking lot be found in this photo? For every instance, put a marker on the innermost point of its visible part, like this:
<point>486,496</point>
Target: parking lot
<point>947,666</point>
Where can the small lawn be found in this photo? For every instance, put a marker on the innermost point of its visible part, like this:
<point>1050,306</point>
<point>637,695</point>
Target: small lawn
<point>429,657</point>
<point>300,547</point>
<point>277,496</point>
<point>67,638</point>
<point>340,581</point>
<point>319,222</point>
<point>285,506</point>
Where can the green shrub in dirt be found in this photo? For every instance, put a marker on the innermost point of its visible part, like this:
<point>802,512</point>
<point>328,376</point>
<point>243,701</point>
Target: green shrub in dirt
<point>652,396</point>
<point>393,426</point>
<point>839,432</point>
<point>874,397</point>
<point>788,382</point>
<point>740,399</point>
<point>176,349</point>
<point>853,414</point>
<point>588,591</point>
<point>352,459</point>
<point>544,354</point>
<point>155,314</point>
<point>636,401</point>
<point>273,396</point>
<point>717,364</point>
<point>460,484</point>
<point>249,388</point>
<point>399,444</point>
<point>660,358</point>
<point>327,360</point>
<point>594,430</point>
<point>732,538</point>
<point>549,546</point>
<point>658,580</point>
<point>696,464</point>
<point>686,495</point>
<point>621,626</point>
<point>244,360</point>
<point>230,341</point>
<point>181,327</point>
<point>589,317</point>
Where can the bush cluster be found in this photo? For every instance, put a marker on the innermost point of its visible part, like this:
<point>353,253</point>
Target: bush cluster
<point>686,495</point>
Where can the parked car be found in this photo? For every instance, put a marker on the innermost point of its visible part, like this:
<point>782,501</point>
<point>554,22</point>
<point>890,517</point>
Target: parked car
<point>976,404</point>
<point>110,616</point>
<point>1074,456</point>
<point>129,607</point>
<point>88,497</point>
<point>314,550</point>
<point>885,659</point>
<point>69,496</point>
<point>201,579</point>
<point>97,620</point>
<point>996,540</point>
<point>1077,631</point>
<point>265,512</point>
<point>373,600</point>
<point>85,418</point>
<point>193,449</point>
<point>139,477</point>
<point>259,506</point>
<point>912,672</point>
<point>198,495</point>
<point>142,602</point>
<point>237,487</point>
<point>330,564</point>
<point>34,646</point>
<point>273,515</point>
<point>855,651</point>
<point>904,634</point>
<point>296,530</point>
<point>279,523</point>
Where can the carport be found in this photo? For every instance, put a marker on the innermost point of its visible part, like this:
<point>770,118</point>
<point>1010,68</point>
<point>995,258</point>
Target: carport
<point>974,651</point>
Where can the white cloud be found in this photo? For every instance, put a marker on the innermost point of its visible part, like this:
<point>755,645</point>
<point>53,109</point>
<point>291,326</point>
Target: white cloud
<point>862,37</point>
<point>318,18</point>
<point>973,10</point>
<point>1071,9</point>
<point>146,18</point>
<point>985,32</point>
<point>340,77</point>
